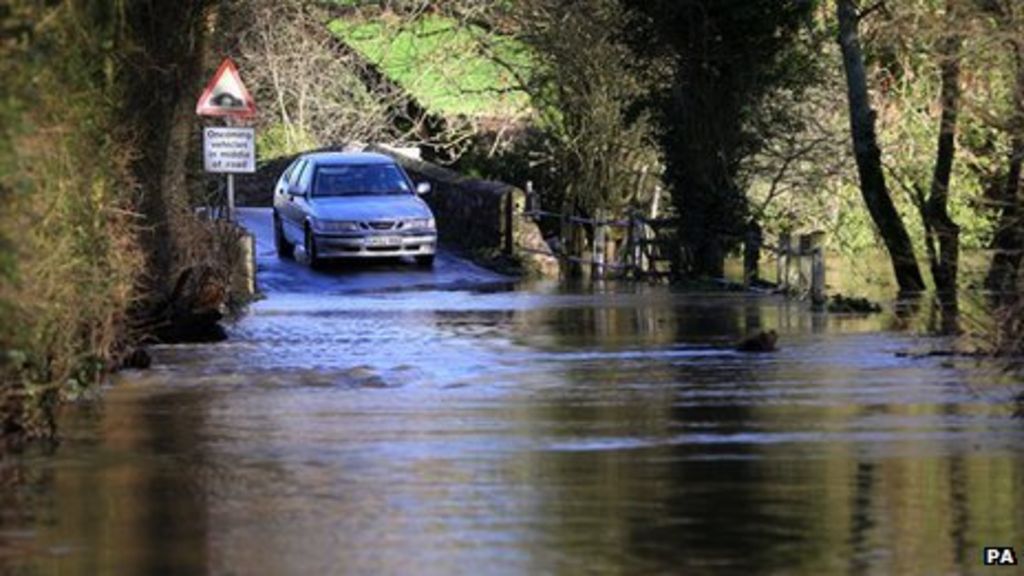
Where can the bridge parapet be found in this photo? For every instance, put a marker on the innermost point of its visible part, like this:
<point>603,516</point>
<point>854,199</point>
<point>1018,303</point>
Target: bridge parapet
<point>481,216</point>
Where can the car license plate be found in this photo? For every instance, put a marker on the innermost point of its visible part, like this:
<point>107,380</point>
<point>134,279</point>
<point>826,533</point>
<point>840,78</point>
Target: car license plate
<point>384,241</point>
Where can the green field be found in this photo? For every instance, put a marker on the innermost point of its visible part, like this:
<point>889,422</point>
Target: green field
<point>442,64</point>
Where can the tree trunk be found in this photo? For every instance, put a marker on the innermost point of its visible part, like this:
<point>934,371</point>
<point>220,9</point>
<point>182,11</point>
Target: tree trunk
<point>869,156</point>
<point>939,227</point>
<point>160,89</point>
<point>1009,238</point>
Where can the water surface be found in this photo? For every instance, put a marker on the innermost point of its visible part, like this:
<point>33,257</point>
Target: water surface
<point>532,431</point>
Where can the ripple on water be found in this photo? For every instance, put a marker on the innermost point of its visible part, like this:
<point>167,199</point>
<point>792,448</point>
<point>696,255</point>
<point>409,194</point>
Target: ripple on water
<point>443,432</point>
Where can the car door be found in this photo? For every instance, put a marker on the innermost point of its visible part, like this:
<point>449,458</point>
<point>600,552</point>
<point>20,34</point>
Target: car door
<point>291,211</point>
<point>301,198</point>
<point>280,199</point>
<point>281,186</point>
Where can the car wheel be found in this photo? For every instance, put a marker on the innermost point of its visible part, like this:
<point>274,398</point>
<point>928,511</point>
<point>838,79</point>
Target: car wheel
<point>310,247</point>
<point>285,249</point>
<point>425,261</point>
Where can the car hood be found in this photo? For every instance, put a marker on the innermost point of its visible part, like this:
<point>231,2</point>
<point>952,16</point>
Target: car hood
<point>365,208</point>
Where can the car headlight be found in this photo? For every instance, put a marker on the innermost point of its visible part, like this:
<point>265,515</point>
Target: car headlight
<point>421,223</point>
<point>336,226</point>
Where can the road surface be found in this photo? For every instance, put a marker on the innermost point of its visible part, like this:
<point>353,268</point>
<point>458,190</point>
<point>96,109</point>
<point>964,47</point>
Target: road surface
<point>276,275</point>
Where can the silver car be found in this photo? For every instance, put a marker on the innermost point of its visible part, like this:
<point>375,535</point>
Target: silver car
<point>352,205</point>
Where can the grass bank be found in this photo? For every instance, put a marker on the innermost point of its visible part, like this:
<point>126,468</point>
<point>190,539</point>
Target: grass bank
<point>439,61</point>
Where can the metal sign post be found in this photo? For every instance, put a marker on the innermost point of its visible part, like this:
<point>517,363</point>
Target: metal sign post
<point>231,197</point>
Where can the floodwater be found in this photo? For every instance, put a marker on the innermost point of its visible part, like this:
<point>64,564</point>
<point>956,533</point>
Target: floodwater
<point>529,430</point>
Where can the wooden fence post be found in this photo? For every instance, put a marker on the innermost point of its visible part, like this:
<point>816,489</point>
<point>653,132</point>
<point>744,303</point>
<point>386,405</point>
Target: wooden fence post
<point>816,247</point>
<point>656,203</point>
<point>632,258</point>
<point>642,262</point>
<point>566,241</point>
<point>818,295</point>
<point>782,262</point>
<point>751,254</point>
<point>509,221</point>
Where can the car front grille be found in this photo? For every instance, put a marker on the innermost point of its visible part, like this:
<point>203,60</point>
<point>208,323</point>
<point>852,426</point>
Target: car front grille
<point>382,225</point>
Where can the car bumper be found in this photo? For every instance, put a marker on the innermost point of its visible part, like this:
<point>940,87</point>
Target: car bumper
<point>379,246</point>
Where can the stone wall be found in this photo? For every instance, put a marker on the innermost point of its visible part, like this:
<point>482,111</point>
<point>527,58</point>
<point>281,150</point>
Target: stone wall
<point>481,216</point>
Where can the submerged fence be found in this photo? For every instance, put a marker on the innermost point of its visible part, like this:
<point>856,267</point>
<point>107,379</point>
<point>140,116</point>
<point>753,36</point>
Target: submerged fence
<point>630,246</point>
<point>640,246</point>
<point>800,265</point>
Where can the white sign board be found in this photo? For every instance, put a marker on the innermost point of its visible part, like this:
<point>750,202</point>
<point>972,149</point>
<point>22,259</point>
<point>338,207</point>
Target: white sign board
<point>229,150</point>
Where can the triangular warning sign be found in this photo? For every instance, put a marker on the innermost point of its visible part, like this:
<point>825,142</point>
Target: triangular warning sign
<point>225,95</point>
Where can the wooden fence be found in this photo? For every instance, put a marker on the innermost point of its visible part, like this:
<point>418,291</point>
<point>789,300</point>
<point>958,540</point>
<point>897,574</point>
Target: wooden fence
<point>639,246</point>
<point>800,265</point>
<point>630,247</point>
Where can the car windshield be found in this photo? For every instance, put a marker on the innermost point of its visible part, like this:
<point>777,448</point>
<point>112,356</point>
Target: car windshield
<point>360,180</point>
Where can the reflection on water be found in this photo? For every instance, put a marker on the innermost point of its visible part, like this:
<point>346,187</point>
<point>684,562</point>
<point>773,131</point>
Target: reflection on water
<point>529,432</point>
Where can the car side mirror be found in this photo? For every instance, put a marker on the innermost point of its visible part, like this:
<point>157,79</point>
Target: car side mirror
<point>423,188</point>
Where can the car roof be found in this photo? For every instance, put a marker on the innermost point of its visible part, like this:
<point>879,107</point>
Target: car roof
<point>352,158</point>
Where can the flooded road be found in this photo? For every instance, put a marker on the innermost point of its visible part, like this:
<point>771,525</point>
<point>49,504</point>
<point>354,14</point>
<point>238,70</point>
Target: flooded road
<point>489,430</point>
<point>278,276</point>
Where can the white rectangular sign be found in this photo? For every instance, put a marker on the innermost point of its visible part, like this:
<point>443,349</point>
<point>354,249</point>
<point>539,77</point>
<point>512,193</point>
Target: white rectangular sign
<point>229,150</point>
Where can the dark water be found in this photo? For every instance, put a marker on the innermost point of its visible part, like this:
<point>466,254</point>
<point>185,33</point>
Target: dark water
<point>529,433</point>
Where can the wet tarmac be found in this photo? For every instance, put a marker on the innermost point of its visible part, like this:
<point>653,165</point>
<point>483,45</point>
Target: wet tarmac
<point>283,276</point>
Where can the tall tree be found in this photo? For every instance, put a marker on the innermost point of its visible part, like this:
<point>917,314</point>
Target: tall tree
<point>942,233</point>
<point>581,83</point>
<point>869,156</point>
<point>1008,242</point>
<point>726,58</point>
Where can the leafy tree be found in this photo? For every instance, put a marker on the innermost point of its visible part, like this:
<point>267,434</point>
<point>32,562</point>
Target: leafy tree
<point>942,233</point>
<point>726,59</point>
<point>1008,20</point>
<point>869,155</point>
<point>582,89</point>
